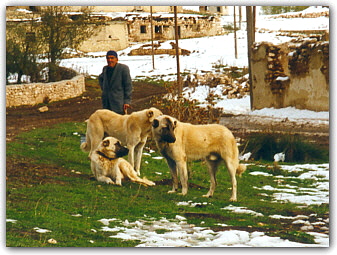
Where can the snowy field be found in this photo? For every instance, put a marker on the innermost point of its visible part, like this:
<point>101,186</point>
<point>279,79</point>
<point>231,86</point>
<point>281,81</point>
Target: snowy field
<point>207,52</point>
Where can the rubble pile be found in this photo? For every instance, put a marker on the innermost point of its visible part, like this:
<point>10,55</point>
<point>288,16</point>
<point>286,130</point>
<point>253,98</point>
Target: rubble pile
<point>323,13</point>
<point>146,49</point>
<point>232,87</point>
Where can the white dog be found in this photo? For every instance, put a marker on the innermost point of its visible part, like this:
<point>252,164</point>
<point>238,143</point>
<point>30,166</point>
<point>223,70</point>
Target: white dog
<point>107,164</point>
<point>179,142</point>
<point>132,130</point>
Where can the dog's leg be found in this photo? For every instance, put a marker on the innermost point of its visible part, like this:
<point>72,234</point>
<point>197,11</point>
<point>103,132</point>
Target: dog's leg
<point>131,155</point>
<point>182,170</point>
<point>231,167</point>
<point>138,155</point>
<point>97,134</point>
<point>127,170</point>
<point>173,168</point>
<point>119,177</point>
<point>212,169</point>
<point>104,179</point>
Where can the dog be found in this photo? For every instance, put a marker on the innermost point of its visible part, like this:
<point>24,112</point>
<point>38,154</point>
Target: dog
<point>132,130</point>
<point>179,142</point>
<point>107,164</point>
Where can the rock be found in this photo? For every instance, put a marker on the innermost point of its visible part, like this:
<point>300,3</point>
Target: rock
<point>52,241</point>
<point>43,109</point>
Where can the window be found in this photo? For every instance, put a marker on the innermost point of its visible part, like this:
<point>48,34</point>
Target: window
<point>143,29</point>
<point>158,29</point>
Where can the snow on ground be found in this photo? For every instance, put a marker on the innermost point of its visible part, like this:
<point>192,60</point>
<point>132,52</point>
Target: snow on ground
<point>272,23</point>
<point>317,192</point>
<point>177,232</point>
<point>244,210</point>
<point>242,106</point>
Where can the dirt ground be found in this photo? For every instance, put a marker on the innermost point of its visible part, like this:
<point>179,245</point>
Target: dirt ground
<point>24,118</point>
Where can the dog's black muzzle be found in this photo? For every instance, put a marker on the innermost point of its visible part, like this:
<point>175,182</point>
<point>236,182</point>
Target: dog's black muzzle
<point>121,151</point>
<point>168,138</point>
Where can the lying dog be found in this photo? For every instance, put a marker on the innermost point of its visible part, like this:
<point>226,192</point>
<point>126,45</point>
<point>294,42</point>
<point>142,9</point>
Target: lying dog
<point>179,142</point>
<point>132,130</point>
<point>107,164</point>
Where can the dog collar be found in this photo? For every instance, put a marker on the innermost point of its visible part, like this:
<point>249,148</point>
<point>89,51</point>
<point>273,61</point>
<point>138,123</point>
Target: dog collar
<point>104,156</point>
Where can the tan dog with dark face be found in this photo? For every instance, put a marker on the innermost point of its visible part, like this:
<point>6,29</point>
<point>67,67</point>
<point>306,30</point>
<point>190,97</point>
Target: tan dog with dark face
<point>179,142</point>
<point>132,130</point>
<point>107,164</point>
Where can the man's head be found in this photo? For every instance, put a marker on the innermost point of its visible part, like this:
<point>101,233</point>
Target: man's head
<point>111,58</point>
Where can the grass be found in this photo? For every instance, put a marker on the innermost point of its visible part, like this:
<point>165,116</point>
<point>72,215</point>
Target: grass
<point>52,201</point>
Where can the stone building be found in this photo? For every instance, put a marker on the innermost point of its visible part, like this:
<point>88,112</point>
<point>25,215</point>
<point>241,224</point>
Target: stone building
<point>222,10</point>
<point>189,26</point>
<point>112,35</point>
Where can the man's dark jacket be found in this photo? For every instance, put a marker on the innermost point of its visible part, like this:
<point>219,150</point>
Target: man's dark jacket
<point>118,91</point>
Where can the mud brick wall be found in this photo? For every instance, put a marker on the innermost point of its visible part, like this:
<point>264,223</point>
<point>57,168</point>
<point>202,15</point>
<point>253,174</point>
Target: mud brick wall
<point>291,74</point>
<point>36,93</point>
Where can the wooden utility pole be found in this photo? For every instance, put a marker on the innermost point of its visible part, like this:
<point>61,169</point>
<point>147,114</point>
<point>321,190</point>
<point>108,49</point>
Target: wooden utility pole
<point>235,39</point>
<point>152,46</point>
<point>250,40</point>
<point>240,17</point>
<point>177,51</point>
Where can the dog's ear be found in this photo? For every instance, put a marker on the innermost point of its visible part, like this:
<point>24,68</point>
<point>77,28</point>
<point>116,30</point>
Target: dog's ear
<point>172,124</point>
<point>155,123</point>
<point>150,115</point>
<point>106,143</point>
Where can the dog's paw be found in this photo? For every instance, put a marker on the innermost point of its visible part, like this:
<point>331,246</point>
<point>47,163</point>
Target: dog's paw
<point>171,191</point>
<point>233,199</point>
<point>207,195</point>
<point>108,181</point>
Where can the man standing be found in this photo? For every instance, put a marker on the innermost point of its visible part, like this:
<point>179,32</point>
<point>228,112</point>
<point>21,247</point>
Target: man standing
<point>116,84</point>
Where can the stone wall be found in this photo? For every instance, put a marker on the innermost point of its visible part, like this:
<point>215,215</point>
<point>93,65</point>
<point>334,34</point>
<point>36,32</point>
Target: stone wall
<point>291,74</point>
<point>36,93</point>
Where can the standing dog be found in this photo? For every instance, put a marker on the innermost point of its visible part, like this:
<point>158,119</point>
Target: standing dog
<point>179,142</point>
<point>107,164</point>
<point>132,130</point>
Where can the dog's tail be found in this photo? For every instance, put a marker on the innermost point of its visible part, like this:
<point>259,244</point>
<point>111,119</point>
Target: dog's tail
<point>85,146</point>
<point>241,169</point>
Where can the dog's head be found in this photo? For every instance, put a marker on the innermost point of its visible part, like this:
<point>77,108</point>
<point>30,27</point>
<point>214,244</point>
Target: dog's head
<point>163,128</point>
<point>112,148</point>
<point>153,113</point>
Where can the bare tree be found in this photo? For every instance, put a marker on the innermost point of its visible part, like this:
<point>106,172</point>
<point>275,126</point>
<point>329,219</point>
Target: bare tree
<point>22,49</point>
<point>60,30</point>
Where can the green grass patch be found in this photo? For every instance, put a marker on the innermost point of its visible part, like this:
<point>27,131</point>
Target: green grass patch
<point>55,190</point>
